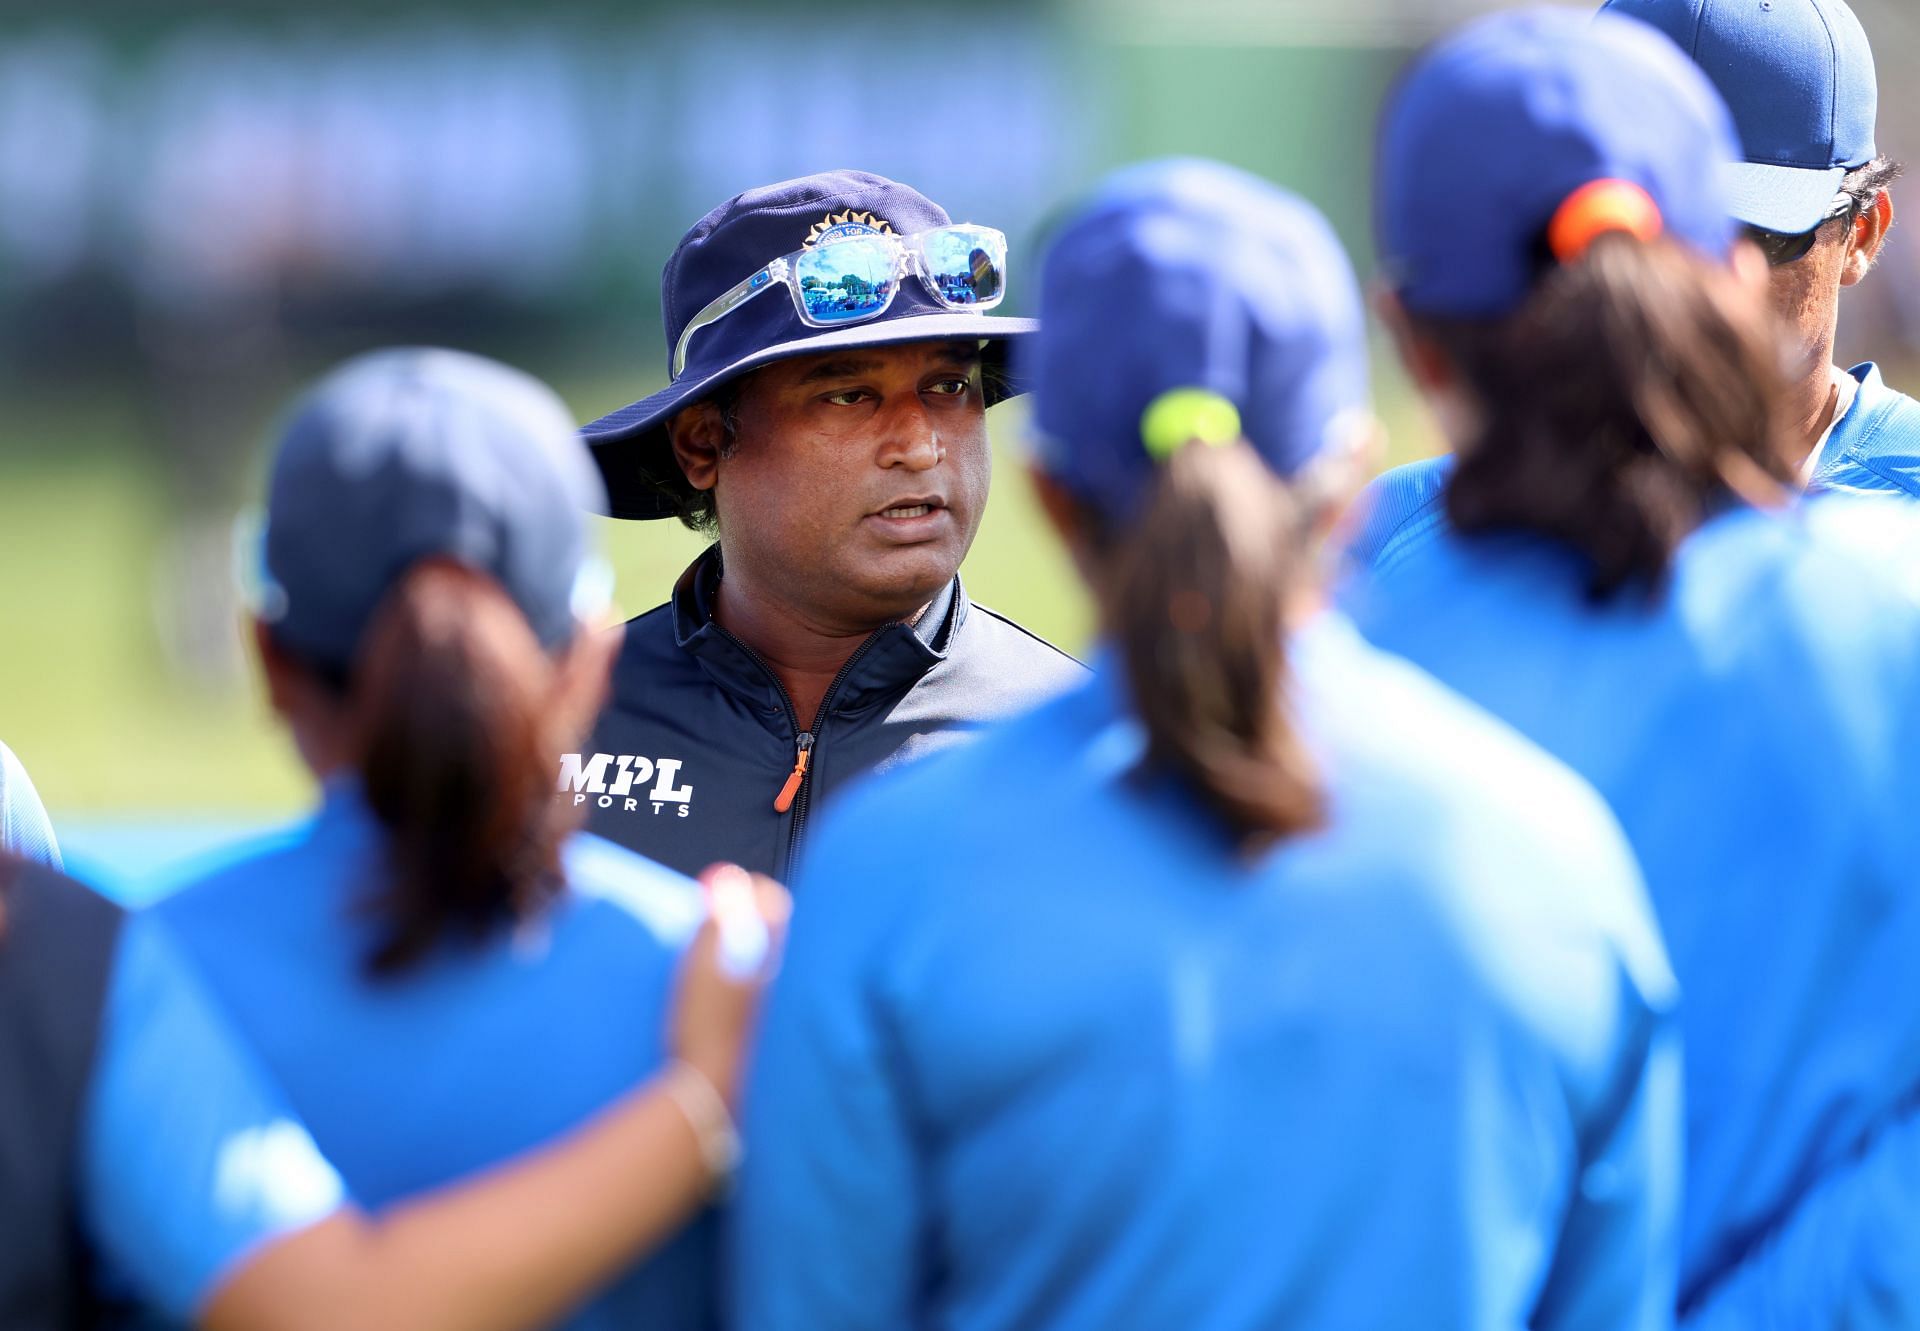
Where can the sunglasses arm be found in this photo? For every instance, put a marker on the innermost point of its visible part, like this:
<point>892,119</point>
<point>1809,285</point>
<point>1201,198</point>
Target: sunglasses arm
<point>726,303</point>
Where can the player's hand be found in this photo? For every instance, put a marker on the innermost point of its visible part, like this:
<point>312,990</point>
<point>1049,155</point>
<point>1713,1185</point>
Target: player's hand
<point>725,971</point>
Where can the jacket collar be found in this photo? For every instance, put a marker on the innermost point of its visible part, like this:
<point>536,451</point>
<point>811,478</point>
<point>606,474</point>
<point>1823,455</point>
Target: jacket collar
<point>891,660</point>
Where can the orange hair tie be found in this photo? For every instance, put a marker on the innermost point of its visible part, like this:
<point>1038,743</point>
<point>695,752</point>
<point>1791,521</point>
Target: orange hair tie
<point>1596,208</point>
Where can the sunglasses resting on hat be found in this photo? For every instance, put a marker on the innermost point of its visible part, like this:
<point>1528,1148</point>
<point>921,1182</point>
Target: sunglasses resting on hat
<point>852,278</point>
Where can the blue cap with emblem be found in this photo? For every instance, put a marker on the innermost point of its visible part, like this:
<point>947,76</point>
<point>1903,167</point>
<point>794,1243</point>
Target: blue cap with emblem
<point>769,275</point>
<point>1518,122</point>
<point>1798,76</point>
<point>1189,301</point>
<point>410,454</point>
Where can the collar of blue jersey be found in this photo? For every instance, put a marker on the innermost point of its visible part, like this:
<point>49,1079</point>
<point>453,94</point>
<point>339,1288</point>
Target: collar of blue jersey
<point>892,660</point>
<point>1876,446</point>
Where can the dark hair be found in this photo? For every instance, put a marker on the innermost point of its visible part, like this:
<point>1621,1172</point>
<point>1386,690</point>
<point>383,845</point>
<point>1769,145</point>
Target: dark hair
<point>1195,592</point>
<point>1865,183</point>
<point>1636,390</point>
<point>455,737</point>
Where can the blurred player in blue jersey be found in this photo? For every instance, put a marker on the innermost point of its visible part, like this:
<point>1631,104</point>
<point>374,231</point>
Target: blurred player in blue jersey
<point>24,827</point>
<point>1812,190</point>
<point>1745,691</point>
<point>140,1137</point>
<point>435,969</point>
<point>1286,990</point>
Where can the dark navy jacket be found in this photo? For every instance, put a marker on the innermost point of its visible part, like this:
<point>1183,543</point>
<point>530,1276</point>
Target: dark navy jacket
<point>53,979</point>
<point>689,759</point>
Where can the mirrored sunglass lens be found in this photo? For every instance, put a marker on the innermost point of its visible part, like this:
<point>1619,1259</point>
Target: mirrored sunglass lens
<point>967,265</point>
<point>847,280</point>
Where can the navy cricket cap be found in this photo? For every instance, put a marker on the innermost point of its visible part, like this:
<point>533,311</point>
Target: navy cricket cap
<point>726,247</point>
<point>1798,77</point>
<point>411,454</point>
<point>1187,299</point>
<point>1496,127</point>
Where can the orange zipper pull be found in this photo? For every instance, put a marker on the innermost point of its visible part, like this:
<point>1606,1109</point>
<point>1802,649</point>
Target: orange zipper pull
<point>803,753</point>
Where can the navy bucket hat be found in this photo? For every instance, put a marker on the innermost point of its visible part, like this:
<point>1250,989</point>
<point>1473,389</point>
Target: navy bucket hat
<point>1189,300</point>
<point>726,247</point>
<point>1497,128</point>
<point>411,454</point>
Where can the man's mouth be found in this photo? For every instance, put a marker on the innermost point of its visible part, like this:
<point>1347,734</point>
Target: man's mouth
<point>912,519</point>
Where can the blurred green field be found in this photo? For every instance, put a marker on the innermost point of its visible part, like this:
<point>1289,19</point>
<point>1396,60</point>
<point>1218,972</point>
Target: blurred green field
<point>88,699</point>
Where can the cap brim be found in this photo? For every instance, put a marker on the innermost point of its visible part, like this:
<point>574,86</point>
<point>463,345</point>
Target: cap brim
<point>1787,199</point>
<point>630,444</point>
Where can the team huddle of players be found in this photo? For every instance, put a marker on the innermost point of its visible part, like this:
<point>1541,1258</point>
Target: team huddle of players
<point>1479,903</point>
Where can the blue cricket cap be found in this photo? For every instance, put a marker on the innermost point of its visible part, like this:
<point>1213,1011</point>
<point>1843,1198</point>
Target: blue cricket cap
<point>1494,128</point>
<point>727,246</point>
<point>1187,299</point>
<point>1798,77</point>
<point>405,455</point>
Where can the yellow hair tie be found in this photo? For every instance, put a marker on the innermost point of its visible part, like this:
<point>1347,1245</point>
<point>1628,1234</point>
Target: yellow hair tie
<point>1181,416</point>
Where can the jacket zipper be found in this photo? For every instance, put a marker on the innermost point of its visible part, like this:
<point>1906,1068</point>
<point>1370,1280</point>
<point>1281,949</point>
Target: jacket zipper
<point>795,791</point>
<point>803,748</point>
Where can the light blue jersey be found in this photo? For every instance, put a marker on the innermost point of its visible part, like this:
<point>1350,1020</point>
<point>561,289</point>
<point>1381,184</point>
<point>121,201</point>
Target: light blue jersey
<point>476,1055</point>
<point>1756,727</point>
<point>190,1159</point>
<point>1873,449</point>
<point>1078,1065</point>
<point>1401,509</point>
<point>24,827</point>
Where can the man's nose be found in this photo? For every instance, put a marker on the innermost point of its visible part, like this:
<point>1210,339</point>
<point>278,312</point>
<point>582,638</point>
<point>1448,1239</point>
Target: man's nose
<point>908,436</point>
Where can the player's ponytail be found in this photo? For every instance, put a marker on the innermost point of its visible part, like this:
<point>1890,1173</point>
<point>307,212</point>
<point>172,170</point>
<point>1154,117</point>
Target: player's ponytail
<point>1195,593</point>
<point>453,709</point>
<point>1637,388</point>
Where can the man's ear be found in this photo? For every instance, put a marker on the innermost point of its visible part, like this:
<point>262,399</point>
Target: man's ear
<point>1869,235</point>
<point>698,434</point>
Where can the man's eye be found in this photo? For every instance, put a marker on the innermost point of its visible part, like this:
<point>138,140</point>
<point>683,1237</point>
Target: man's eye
<point>848,397</point>
<point>952,387</point>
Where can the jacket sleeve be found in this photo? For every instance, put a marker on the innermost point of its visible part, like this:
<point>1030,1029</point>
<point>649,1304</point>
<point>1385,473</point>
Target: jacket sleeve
<point>190,1159</point>
<point>1844,1256</point>
<point>1617,1263</point>
<point>827,1216</point>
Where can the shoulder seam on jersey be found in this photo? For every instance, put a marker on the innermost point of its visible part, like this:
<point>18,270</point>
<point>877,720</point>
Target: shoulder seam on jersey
<point>1018,627</point>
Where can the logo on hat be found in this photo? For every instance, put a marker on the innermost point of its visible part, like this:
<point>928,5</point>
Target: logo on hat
<point>841,225</point>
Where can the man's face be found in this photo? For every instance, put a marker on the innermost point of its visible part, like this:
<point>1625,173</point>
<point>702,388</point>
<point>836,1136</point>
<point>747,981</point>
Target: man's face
<point>1806,293</point>
<point>855,480</point>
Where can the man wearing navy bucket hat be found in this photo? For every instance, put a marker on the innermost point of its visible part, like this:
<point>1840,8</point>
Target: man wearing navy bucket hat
<point>833,351</point>
<point>1812,191</point>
